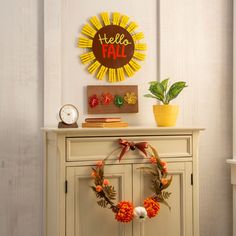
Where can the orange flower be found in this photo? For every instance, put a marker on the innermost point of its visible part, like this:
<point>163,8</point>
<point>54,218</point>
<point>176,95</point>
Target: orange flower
<point>164,170</point>
<point>106,98</point>
<point>153,160</point>
<point>125,213</point>
<point>93,174</point>
<point>99,164</point>
<point>164,181</point>
<point>163,164</point>
<point>105,182</point>
<point>98,188</point>
<point>152,207</point>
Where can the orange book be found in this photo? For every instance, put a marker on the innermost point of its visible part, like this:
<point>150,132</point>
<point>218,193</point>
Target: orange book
<point>103,120</point>
<point>104,124</point>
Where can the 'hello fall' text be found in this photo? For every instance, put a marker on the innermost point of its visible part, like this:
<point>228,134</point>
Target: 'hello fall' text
<point>114,47</point>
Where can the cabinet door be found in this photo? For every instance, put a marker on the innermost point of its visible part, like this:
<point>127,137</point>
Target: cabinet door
<point>178,220</point>
<point>83,216</point>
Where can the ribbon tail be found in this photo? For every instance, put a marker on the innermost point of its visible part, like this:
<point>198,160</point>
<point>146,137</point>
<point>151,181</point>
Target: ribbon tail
<point>123,151</point>
<point>142,146</point>
<point>143,151</point>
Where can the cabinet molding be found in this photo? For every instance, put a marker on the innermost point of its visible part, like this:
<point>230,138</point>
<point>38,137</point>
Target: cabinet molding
<point>79,149</point>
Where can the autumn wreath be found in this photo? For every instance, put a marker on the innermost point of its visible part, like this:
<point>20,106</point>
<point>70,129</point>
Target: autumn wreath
<point>125,210</point>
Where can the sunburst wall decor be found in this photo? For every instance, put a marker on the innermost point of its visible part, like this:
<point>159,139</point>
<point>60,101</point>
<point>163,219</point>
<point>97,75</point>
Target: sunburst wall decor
<point>113,46</point>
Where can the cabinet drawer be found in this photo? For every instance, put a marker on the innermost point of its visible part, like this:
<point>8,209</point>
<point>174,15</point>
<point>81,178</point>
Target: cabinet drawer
<point>84,149</point>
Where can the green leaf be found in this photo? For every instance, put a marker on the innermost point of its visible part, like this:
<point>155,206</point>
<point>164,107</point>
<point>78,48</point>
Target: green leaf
<point>93,188</point>
<point>101,172</point>
<point>110,192</point>
<point>155,153</point>
<point>103,203</point>
<point>156,184</point>
<point>152,82</point>
<point>165,203</point>
<point>165,84</point>
<point>162,200</point>
<point>166,195</point>
<point>150,96</point>
<point>175,90</point>
<point>100,194</point>
<point>167,99</point>
<point>157,90</point>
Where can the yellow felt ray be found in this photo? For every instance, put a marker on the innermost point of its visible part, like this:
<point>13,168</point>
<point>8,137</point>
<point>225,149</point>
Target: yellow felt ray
<point>112,75</point>
<point>105,18</point>
<point>94,67</point>
<point>101,73</point>
<point>132,26</point>
<point>134,65</point>
<point>140,56</point>
<point>88,30</point>
<point>85,43</point>
<point>120,74</point>
<point>129,71</point>
<point>124,21</point>
<point>140,46</point>
<point>96,22</point>
<point>138,36</point>
<point>87,57</point>
<point>116,18</point>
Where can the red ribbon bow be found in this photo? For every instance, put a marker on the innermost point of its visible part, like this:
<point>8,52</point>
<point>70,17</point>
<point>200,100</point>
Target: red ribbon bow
<point>131,145</point>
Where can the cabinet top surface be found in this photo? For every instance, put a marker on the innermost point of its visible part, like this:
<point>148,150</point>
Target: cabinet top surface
<point>138,130</point>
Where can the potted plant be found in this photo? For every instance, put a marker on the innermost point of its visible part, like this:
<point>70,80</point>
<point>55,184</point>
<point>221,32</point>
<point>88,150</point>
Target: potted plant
<point>165,114</point>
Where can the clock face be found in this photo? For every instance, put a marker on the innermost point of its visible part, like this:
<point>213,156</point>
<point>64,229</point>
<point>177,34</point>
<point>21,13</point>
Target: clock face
<point>68,114</point>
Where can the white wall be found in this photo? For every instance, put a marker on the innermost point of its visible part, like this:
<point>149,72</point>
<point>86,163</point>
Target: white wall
<point>21,114</point>
<point>196,46</point>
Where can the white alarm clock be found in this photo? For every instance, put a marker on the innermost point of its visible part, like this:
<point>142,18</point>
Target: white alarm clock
<point>69,116</point>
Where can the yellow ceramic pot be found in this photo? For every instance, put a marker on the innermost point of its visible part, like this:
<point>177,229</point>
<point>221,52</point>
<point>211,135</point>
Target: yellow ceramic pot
<point>165,115</point>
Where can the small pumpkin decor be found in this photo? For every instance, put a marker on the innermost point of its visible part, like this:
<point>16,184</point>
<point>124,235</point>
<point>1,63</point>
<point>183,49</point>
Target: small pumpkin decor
<point>165,114</point>
<point>125,211</point>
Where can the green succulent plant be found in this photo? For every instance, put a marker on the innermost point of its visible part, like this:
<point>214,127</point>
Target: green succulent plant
<point>163,92</point>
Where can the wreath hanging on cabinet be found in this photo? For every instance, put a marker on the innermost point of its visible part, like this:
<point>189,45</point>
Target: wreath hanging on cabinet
<point>125,211</point>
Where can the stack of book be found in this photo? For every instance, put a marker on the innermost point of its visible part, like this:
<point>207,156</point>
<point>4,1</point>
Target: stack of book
<point>108,122</point>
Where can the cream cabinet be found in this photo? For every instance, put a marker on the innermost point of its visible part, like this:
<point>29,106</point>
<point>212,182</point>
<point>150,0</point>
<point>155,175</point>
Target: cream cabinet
<point>70,205</point>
